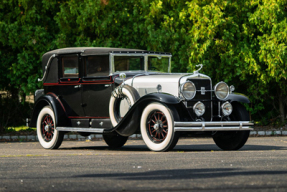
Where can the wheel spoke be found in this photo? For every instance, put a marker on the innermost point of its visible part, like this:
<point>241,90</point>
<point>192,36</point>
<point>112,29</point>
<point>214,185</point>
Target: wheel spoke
<point>159,136</point>
<point>155,117</point>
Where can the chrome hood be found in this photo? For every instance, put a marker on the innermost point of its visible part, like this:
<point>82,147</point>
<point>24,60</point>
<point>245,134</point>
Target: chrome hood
<point>168,83</point>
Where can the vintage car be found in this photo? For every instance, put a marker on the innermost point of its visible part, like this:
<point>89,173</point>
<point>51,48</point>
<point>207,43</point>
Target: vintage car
<point>119,92</point>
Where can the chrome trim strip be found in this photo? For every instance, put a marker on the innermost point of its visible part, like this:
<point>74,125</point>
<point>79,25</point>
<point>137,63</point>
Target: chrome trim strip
<point>47,67</point>
<point>213,126</point>
<point>213,129</point>
<point>79,129</point>
<point>169,64</point>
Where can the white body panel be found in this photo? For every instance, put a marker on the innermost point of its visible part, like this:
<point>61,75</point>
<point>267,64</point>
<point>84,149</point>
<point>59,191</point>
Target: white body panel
<point>148,84</point>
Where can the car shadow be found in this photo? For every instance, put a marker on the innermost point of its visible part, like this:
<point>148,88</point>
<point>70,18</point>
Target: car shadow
<point>183,174</point>
<point>181,148</point>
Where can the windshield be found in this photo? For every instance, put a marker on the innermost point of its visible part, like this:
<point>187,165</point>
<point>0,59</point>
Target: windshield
<point>158,64</point>
<point>128,63</point>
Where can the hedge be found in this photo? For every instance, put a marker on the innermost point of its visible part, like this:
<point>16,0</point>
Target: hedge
<point>240,42</point>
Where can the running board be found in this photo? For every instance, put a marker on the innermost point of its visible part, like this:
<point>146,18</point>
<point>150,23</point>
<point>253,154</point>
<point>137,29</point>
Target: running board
<point>79,129</point>
<point>214,126</point>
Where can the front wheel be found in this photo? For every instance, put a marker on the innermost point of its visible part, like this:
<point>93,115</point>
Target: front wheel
<point>47,134</point>
<point>157,127</point>
<point>233,140</point>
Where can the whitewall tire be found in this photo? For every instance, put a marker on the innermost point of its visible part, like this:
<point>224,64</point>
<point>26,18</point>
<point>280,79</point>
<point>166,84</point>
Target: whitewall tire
<point>118,107</point>
<point>47,134</point>
<point>157,127</point>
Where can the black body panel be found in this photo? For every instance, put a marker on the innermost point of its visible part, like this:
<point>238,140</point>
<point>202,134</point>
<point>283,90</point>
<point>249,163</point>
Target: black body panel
<point>96,98</point>
<point>71,96</point>
<point>80,123</point>
<point>101,123</point>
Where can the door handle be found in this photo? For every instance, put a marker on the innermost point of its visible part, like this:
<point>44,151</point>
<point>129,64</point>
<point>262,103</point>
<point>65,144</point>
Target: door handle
<point>78,86</point>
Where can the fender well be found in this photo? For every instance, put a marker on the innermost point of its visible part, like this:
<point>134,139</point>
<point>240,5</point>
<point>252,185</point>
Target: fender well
<point>60,114</point>
<point>130,123</point>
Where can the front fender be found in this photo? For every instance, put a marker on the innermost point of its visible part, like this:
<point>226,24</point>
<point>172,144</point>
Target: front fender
<point>54,102</point>
<point>237,97</point>
<point>160,97</point>
<point>131,121</point>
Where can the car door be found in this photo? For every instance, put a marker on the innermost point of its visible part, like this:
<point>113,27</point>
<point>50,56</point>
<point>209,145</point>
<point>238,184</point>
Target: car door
<point>97,86</point>
<point>71,88</point>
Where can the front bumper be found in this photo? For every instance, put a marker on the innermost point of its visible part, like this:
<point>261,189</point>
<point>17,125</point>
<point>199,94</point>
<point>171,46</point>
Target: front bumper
<point>213,126</point>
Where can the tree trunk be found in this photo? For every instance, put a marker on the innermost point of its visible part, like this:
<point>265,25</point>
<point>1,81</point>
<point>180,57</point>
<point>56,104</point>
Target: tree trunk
<point>281,108</point>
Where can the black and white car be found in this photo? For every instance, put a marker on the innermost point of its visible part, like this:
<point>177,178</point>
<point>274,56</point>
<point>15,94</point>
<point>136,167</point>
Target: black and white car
<point>118,92</point>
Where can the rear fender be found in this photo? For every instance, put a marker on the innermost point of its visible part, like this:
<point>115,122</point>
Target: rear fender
<point>54,102</point>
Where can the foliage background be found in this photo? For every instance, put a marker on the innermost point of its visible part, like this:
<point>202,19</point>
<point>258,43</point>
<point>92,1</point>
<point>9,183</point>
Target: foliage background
<point>241,42</point>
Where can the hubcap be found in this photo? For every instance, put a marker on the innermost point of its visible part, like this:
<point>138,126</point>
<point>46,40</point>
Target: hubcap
<point>157,126</point>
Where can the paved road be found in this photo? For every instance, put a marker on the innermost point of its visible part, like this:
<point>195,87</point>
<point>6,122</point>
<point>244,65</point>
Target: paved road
<point>195,164</point>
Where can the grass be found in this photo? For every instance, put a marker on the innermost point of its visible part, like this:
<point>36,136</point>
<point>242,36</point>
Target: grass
<point>19,129</point>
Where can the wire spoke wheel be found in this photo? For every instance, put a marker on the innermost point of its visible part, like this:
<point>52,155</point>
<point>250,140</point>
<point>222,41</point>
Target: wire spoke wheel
<point>47,133</point>
<point>157,126</point>
<point>47,128</point>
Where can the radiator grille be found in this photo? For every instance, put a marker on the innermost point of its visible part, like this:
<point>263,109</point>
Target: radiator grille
<point>204,98</point>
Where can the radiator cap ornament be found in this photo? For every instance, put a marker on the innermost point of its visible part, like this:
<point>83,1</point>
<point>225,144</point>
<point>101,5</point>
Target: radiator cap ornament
<point>200,67</point>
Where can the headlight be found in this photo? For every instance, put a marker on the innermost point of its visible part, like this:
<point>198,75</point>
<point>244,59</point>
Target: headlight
<point>221,90</point>
<point>188,90</point>
<point>199,108</point>
<point>226,108</point>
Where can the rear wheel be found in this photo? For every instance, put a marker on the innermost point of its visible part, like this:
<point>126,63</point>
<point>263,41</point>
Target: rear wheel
<point>157,127</point>
<point>47,134</point>
<point>114,140</point>
<point>233,140</point>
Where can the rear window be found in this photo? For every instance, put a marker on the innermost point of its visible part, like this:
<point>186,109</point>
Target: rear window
<point>70,67</point>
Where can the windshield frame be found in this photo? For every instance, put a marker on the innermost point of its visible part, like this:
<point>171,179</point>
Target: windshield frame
<point>145,55</point>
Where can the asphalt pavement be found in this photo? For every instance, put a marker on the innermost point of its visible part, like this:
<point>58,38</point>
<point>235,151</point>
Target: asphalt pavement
<point>193,165</point>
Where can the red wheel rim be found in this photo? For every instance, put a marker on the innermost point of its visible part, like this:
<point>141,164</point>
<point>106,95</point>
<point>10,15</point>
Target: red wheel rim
<point>47,127</point>
<point>157,126</point>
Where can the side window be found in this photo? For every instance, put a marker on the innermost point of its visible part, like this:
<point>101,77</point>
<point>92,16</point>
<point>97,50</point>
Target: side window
<point>128,63</point>
<point>70,67</point>
<point>96,67</point>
